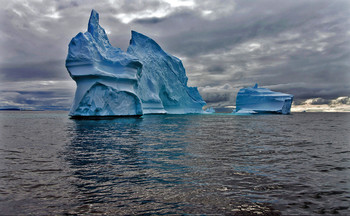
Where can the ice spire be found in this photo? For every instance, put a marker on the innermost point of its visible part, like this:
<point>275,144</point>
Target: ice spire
<point>97,32</point>
<point>93,21</point>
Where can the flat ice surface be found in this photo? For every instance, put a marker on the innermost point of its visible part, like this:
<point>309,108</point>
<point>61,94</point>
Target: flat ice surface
<point>254,100</point>
<point>111,82</point>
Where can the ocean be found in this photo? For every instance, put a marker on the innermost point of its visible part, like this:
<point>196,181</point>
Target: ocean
<point>217,164</point>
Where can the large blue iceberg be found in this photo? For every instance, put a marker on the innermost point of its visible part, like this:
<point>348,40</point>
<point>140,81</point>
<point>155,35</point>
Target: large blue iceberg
<point>111,82</point>
<point>254,100</point>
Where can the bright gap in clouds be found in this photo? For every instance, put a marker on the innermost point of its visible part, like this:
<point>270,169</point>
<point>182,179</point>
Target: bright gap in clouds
<point>127,17</point>
<point>180,3</point>
<point>158,13</point>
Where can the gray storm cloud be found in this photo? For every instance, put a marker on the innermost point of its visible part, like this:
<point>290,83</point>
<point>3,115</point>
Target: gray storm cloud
<point>297,47</point>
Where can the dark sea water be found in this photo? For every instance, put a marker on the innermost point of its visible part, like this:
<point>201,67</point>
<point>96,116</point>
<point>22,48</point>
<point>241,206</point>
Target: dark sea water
<point>295,164</point>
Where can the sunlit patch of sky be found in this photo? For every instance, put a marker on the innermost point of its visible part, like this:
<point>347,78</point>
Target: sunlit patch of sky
<point>155,13</point>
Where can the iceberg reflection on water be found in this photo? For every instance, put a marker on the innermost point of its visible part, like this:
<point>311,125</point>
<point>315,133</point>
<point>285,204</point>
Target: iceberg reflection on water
<point>174,164</point>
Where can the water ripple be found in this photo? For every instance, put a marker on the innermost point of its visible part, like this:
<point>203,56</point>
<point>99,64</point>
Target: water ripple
<point>175,164</point>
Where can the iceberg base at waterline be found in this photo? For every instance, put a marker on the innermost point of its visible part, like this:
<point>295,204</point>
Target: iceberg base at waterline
<point>209,110</point>
<point>102,100</point>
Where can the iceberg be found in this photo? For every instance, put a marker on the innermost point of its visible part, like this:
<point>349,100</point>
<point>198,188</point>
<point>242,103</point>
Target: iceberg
<point>254,100</point>
<point>112,82</point>
<point>106,77</point>
<point>163,84</point>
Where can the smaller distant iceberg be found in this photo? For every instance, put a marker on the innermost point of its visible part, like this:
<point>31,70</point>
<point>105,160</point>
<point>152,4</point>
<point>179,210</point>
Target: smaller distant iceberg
<point>254,100</point>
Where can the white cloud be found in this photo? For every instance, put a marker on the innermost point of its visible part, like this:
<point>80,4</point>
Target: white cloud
<point>165,8</point>
<point>207,12</point>
<point>345,100</point>
<point>128,17</point>
<point>315,101</point>
<point>212,10</point>
<point>53,15</point>
<point>340,104</point>
<point>180,3</point>
<point>253,46</point>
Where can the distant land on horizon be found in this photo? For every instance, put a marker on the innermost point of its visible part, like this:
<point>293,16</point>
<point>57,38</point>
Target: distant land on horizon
<point>19,109</point>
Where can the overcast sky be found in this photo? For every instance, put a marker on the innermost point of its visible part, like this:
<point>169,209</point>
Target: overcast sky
<point>298,47</point>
